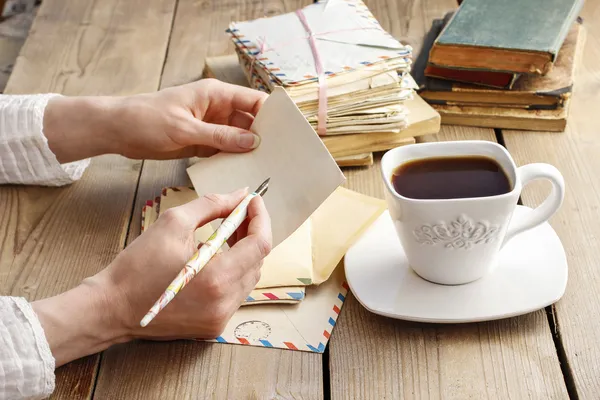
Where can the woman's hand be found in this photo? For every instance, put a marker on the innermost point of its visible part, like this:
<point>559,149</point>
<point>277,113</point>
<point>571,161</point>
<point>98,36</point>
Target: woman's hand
<point>108,307</point>
<point>196,119</point>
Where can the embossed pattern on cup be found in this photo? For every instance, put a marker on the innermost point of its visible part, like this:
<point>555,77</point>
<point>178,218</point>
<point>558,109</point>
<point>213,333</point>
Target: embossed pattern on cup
<point>460,233</point>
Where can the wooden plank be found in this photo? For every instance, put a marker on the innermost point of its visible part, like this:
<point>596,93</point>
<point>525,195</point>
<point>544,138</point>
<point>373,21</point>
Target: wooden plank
<point>372,357</point>
<point>107,47</point>
<point>199,370</point>
<point>575,153</point>
<point>13,33</point>
<point>187,369</point>
<point>9,50</point>
<point>52,238</point>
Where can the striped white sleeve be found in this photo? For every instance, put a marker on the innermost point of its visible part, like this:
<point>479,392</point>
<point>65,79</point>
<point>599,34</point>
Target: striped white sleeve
<point>25,157</point>
<point>26,362</point>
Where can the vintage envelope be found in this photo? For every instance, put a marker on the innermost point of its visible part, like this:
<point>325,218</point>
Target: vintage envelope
<point>338,223</point>
<point>146,210</point>
<point>347,32</point>
<point>304,92</point>
<point>302,171</point>
<point>149,213</point>
<point>306,326</point>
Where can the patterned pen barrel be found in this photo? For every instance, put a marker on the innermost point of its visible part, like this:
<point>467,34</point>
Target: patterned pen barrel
<point>205,253</point>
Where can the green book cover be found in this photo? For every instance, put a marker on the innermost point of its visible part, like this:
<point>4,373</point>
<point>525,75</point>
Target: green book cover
<point>524,25</point>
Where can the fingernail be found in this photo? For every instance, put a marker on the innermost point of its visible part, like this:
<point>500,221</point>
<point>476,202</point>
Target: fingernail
<point>248,141</point>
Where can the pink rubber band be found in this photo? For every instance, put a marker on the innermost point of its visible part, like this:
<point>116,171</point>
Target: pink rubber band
<point>322,110</point>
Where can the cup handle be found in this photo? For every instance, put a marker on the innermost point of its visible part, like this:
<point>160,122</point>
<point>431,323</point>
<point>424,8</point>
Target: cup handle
<point>549,206</point>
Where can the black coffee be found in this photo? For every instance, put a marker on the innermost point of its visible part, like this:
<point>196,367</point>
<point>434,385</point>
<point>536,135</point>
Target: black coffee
<point>450,178</point>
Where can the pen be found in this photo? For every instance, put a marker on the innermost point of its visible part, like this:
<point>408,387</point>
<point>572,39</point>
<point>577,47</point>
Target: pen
<point>205,253</point>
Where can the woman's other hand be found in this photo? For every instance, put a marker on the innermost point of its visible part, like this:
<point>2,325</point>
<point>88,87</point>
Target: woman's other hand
<point>108,307</point>
<point>195,119</point>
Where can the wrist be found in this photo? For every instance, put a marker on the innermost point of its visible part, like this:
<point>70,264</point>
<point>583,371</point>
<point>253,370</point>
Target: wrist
<point>80,127</point>
<point>80,322</point>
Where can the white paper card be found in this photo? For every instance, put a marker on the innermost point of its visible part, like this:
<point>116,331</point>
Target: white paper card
<point>303,173</point>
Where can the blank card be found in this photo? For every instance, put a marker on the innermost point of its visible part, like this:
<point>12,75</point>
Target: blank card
<point>303,173</point>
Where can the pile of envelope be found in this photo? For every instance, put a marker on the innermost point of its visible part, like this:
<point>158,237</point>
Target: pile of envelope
<point>314,221</point>
<point>302,287</point>
<point>365,71</point>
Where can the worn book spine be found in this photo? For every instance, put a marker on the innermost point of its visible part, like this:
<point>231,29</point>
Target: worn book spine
<point>505,118</point>
<point>422,69</point>
<point>505,35</point>
<point>498,80</point>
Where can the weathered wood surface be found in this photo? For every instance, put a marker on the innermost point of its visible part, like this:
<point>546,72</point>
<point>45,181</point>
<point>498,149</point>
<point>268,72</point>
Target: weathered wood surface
<point>52,238</point>
<point>576,153</point>
<point>373,357</point>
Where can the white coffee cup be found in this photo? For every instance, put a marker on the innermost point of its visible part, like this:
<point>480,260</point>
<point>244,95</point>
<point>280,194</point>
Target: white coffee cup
<point>457,241</point>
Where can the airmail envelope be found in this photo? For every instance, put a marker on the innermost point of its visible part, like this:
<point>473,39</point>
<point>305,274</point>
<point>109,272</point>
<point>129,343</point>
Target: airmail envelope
<point>306,326</point>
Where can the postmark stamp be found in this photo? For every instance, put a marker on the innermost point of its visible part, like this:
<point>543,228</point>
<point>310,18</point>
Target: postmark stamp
<point>253,330</point>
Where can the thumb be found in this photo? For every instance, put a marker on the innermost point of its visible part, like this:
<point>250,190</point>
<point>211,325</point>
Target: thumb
<point>227,138</point>
<point>209,207</point>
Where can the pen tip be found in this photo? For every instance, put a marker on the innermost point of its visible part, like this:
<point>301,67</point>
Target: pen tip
<point>262,189</point>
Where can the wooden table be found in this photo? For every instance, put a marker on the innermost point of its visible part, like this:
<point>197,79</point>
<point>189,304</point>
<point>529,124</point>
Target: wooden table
<point>52,238</point>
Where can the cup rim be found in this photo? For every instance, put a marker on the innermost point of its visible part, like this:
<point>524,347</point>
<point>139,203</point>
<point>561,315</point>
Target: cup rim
<point>516,187</point>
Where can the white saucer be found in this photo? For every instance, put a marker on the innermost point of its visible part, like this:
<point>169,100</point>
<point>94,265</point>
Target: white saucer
<point>531,274</point>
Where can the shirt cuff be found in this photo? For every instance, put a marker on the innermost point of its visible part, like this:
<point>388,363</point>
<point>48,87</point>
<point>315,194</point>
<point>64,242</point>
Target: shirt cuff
<point>26,362</point>
<point>25,157</point>
<point>41,343</point>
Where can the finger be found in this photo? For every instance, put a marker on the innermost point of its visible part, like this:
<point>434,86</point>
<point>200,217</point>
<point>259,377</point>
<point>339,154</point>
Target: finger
<point>247,254</point>
<point>243,283</point>
<point>239,234</point>
<point>207,208</point>
<point>242,98</point>
<point>257,244</point>
<point>226,138</point>
<point>186,152</point>
<point>259,221</point>
<point>241,119</point>
<point>231,241</point>
<point>242,231</point>
<point>204,151</point>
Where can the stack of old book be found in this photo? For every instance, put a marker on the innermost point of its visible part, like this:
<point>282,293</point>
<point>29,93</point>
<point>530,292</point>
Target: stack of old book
<point>503,64</point>
<point>348,76</point>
